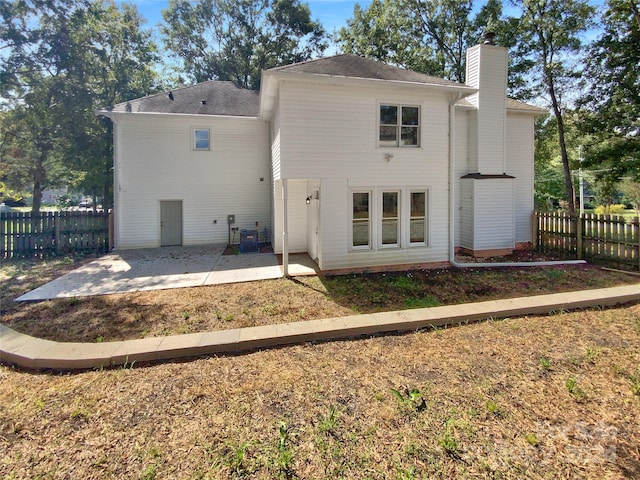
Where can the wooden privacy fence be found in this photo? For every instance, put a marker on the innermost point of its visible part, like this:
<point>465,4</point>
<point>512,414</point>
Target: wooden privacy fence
<point>607,239</point>
<point>25,235</point>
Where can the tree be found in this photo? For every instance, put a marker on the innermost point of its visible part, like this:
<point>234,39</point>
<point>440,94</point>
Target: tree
<point>550,40</point>
<point>236,40</point>
<point>431,37</point>
<point>62,60</point>
<point>549,183</point>
<point>631,191</point>
<point>611,108</point>
<point>115,62</point>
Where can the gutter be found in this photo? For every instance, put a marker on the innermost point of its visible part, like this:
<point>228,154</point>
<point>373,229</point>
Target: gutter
<point>452,203</point>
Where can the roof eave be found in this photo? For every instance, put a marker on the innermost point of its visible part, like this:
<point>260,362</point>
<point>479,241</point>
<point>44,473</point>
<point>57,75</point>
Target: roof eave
<point>530,110</point>
<point>346,80</point>
<point>112,114</point>
<point>268,94</point>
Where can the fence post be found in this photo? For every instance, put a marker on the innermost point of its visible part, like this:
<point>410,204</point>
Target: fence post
<point>56,222</point>
<point>3,249</point>
<point>111,233</point>
<point>534,231</point>
<point>579,234</point>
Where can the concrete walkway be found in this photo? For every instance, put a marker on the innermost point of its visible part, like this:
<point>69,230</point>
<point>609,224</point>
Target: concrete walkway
<point>167,267</point>
<point>33,353</point>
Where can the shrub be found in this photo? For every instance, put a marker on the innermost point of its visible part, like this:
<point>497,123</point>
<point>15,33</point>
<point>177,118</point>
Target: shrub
<point>616,209</point>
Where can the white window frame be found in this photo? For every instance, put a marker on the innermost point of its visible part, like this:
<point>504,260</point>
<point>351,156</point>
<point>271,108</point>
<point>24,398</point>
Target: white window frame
<point>194,136</point>
<point>370,244</point>
<point>399,125</point>
<point>380,218</point>
<point>376,212</point>
<point>411,191</point>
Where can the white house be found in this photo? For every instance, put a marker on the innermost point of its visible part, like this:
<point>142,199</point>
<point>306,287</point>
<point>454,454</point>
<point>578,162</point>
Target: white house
<point>358,163</point>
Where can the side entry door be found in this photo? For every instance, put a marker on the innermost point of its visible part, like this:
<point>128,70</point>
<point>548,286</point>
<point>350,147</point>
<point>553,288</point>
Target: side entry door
<point>170,222</point>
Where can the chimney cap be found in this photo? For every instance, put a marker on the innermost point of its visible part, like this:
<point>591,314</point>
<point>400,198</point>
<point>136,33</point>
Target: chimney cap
<point>489,38</point>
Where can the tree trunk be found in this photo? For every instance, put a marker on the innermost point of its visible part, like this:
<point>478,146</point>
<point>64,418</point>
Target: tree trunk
<point>568,182</point>
<point>94,199</point>
<point>38,180</point>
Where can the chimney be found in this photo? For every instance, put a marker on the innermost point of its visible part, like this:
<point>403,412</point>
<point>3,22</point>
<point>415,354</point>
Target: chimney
<point>489,38</point>
<point>487,71</point>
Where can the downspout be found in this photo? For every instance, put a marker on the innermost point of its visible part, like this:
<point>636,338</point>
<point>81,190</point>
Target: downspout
<point>285,227</point>
<point>452,216</point>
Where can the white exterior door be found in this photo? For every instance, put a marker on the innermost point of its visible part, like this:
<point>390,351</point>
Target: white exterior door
<point>314,225</point>
<point>170,222</point>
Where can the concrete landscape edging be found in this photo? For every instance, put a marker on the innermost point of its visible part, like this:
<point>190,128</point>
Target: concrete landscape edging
<point>38,354</point>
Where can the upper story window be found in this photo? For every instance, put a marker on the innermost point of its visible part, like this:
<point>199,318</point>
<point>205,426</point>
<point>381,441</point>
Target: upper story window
<point>399,126</point>
<point>201,139</point>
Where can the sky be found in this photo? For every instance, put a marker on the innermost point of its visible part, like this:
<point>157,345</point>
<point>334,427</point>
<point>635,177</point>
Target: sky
<point>332,14</point>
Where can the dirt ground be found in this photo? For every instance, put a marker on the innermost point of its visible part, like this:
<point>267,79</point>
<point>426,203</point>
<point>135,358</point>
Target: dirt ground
<point>554,397</point>
<point>188,310</point>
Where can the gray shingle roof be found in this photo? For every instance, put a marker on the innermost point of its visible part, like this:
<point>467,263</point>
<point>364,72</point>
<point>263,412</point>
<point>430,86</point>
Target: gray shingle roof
<point>348,65</point>
<point>206,98</point>
<point>223,98</point>
<point>524,107</point>
<point>511,104</point>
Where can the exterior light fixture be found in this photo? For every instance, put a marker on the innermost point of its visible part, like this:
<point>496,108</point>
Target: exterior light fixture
<point>308,200</point>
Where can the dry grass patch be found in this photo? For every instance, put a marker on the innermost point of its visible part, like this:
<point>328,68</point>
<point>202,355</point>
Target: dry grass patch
<point>489,400</point>
<point>188,310</point>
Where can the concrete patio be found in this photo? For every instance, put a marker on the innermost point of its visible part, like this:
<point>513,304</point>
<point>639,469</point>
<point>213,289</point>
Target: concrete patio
<point>167,267</point>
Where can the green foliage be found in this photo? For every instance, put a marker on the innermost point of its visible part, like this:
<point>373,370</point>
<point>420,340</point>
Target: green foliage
<point>448,440</point>
<point>575,390</point>
<point>545,363</point>
<point>634,379</point>
<point>236,459</point>
<point>548,182</point>
<point>284,453</point>
<point>592,354</point>
<point>411,400</point>
<point>532,439</point>
<point>550,42</point>
<point>149,472</point>
<point>494,409</point>
<point>631,192</point>
<point>329,423</point>
<point>611,106</point>
<point>236,40</point>
<point>609,209</point>
<point>422,302</point>
<point>429,37</point>
<point>63,60</point>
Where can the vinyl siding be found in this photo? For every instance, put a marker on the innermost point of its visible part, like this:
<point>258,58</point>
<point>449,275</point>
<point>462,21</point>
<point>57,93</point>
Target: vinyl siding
<point>275,145</point>
<point>472,125</point>
<point>330,133</point>
<point>466,214</point>
<point>493,219</point>
<point>297,218</point>
<point>461,167</point>
<point>155,161</point>
<point>487,71</point>
<point>520,148</point>
<point>487,215</point>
